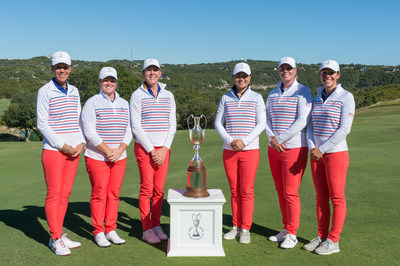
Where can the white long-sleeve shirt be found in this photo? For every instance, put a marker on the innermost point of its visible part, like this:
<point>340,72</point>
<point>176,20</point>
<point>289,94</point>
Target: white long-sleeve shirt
<point>105,121</point>
<point>331,120</point>
<point>244,117</point>
<point>58,116</point>
<point>153,120</point>
<point>288,114</point>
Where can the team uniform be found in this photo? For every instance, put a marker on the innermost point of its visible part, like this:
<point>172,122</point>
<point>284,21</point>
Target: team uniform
<point>153,122</point>
<point>105,121</point>
<point>331,121</point>
<point>58,112</point>
<point>244,119</point>
<point>288,112</point>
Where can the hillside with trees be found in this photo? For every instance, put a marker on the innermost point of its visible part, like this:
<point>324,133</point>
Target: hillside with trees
<point>197,88</point>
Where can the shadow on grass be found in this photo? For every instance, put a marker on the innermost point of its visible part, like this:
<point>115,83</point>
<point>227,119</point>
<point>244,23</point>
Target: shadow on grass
<point>5,137</point>
<point>135,225</point>
<point>79,226</point>
<point>256,229</point>
<point>27,221</point>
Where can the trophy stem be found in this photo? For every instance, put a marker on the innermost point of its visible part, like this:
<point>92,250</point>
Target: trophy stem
<point>196,172</point>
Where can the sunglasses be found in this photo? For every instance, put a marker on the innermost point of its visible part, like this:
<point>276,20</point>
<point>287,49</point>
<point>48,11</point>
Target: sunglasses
<point>287,68</point>
<point>62,67</point>
<point>109,80</point>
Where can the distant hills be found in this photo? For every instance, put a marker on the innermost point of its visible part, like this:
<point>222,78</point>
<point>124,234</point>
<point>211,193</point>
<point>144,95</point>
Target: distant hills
<point>197,87</point>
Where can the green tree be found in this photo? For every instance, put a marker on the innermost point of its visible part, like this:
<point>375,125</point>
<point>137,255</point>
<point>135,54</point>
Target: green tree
<point>22,113</point>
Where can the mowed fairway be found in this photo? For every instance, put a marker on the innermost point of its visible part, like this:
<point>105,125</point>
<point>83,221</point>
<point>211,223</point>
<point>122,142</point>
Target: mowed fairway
<point>370,236</point>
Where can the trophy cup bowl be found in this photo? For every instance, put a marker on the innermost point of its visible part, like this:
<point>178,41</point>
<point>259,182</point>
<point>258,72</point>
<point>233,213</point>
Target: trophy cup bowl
<point>196,175</point>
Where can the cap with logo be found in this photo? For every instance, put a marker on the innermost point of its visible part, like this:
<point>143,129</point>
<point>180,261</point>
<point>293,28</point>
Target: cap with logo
<point>108,72</point>
<point>151,62</point>
<point>60,57</point>
<point>241,67</point>
<point>287,60</point>
<point>331,64</point>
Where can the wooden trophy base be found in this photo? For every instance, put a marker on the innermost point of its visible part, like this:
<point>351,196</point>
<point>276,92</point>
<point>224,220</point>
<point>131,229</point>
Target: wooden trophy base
<point>194,192</point>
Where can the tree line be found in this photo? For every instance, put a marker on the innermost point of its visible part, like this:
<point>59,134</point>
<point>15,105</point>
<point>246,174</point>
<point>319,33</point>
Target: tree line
<point>197,88</point>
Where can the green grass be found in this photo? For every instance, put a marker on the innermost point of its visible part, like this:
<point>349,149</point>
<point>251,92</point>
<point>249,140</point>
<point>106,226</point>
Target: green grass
<point>370,235</point>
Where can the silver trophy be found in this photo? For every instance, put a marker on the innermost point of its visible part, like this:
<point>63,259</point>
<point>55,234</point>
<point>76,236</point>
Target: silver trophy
<point>196,176</point>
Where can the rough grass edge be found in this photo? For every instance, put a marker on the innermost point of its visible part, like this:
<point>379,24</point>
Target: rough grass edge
<point>381,104</point>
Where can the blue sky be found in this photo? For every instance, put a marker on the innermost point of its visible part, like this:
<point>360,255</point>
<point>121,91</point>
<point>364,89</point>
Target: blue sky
<point>189,32</point>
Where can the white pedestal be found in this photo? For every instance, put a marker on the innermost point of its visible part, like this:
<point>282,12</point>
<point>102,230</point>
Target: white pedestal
<point>195,224</point>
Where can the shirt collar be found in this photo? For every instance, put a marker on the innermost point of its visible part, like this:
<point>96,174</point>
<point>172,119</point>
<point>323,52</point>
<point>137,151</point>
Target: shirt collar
<point>280,86</point>
<point>116,95</point>
<point>151,92</point>
<point>323,95</point>
<point>337,90</point>
<point>60,88</point>
<point>282,89</point>
<point>233,90</point>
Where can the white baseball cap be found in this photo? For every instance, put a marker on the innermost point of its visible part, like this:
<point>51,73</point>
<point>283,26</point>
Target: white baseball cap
<point>242,67</point>
<point>60,57</point>
<point>108,72</point>
<point>151,62</point>
<point>287,60</point>
<point>331,64</point>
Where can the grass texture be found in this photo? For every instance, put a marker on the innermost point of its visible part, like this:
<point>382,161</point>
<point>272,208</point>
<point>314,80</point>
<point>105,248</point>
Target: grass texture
<point>370,235</point>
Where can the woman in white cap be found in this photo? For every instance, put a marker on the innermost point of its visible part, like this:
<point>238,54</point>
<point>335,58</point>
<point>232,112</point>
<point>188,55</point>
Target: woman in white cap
<point>243,112</point>
<point>105,120</point>
<point>288,109</point>
<point>58,110</point>
<point>153,122</point>
<point>331,120</point>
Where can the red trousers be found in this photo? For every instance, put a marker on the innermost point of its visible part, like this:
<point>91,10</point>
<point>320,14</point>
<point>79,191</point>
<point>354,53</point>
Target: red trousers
<point>241,168</point>
<point>329,175</point>
<point>106,180</point>
<point>59,173</point>
<point>287,169</point>
<point>152,180</point>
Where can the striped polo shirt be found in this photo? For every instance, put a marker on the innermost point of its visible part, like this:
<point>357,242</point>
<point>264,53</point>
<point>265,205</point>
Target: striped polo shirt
<point>331,120</point>
<point>63,114</point>
<point>105,121</point>
<point>155,114</point>
<point>153,120</point>
<point>283,111</point>
<point>244,118</point>
<point>326,118</point>
<point>58,116</point>
<point>288,113</point>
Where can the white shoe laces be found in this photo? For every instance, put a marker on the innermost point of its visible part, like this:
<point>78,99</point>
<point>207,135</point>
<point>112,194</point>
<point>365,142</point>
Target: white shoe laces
<point>326,244</point>
<point>290,238</point>
<point>64,236</point>
<point>316,240</point>
<point>59,241</point>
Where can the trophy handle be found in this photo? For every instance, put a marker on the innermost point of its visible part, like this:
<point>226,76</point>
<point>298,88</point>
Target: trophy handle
<point>190,116</point>
<point>205,126</point>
